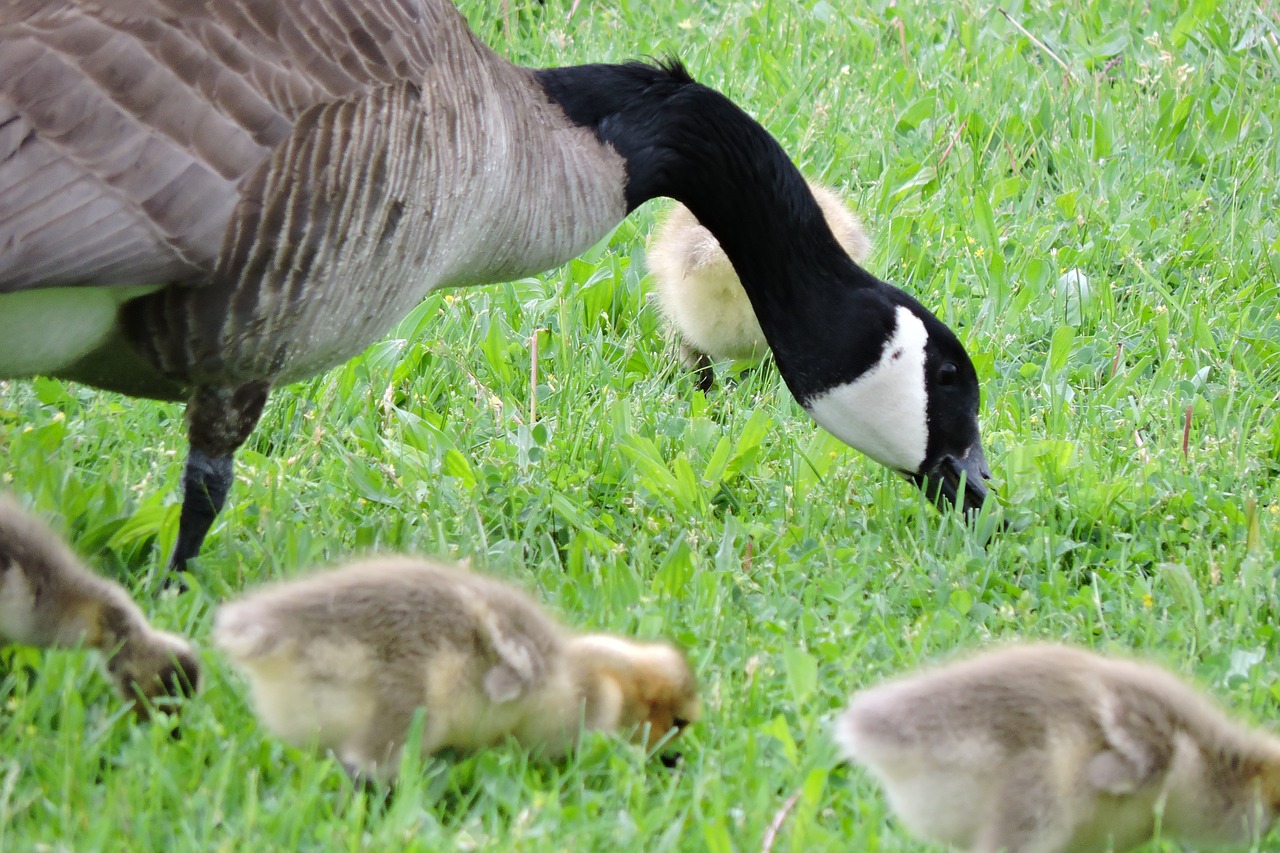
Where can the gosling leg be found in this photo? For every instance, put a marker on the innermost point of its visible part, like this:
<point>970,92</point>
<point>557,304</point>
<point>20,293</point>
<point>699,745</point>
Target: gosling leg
<point>699,364</point>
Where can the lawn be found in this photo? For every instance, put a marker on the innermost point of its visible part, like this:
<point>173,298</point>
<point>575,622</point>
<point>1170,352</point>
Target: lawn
<point>1092,209</point>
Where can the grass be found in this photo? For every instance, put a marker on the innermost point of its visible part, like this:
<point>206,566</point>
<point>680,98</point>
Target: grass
<point>1131,414</point>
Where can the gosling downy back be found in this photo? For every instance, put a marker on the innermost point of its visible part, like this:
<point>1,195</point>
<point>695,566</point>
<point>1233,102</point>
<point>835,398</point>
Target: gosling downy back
<point>1054,749</point>
<point>49,599</point>
<point>343,659</point>
<point>202,201</point>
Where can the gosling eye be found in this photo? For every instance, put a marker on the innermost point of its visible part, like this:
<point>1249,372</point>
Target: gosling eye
<point>948,373</point>
<point>680,723</point>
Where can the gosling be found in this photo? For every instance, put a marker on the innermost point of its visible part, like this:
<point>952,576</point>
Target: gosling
<point>343,659</point>
<point>48,598</point>
<point>699,294</point>
<point>1051,749</point>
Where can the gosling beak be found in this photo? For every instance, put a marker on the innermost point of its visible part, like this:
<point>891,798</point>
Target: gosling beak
<point>942,483</point>
<point>177,680</point>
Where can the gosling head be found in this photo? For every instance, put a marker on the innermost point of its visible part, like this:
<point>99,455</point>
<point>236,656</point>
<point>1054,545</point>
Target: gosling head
<point>1236,800</point>
<point>1258,820</point>
<point>664,701</point>
<point>647,688</point>
<point>152,669</point>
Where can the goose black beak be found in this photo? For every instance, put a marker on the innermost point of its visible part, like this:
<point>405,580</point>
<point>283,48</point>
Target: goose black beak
<point>942,482</point>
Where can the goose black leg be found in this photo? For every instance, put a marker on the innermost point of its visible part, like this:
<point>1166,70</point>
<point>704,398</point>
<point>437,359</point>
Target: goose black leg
<point>219,420</point>
<point>205,483</point>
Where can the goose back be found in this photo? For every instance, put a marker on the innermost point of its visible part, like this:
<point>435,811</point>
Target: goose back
<point>131,124</point>
<point>310,174</point>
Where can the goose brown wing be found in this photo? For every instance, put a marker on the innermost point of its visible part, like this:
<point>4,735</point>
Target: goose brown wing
<point>127,127</point>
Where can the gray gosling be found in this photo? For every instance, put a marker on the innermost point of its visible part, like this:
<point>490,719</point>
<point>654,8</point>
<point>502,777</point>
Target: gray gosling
<point>343,659</point>
<point>699,294</point>
<point>48,598</point>
<point>1050,749</point>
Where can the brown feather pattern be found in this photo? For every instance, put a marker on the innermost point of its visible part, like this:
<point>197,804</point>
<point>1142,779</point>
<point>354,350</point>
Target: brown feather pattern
<point>301,175</point>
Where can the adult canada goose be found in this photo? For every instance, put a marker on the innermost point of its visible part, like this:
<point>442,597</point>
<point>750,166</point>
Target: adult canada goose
<point>700,296</point>
<point>1053,749</point>
<point>49,599</point>
<point>343,659</point>
<point>202,201</point>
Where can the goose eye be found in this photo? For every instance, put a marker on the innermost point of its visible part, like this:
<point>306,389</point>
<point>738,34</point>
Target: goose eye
<point>948,373</point>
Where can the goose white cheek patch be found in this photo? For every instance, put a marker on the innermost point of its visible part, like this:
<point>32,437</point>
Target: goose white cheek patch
<point>883,412</point>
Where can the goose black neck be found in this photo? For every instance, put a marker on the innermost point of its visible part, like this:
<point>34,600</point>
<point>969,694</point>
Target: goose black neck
<point>688,142</point>
<point>691,144</point>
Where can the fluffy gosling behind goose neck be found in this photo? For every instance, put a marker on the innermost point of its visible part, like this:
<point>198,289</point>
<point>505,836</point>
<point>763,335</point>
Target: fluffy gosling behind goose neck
<point>699,295</point>
<point>867,361</point>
